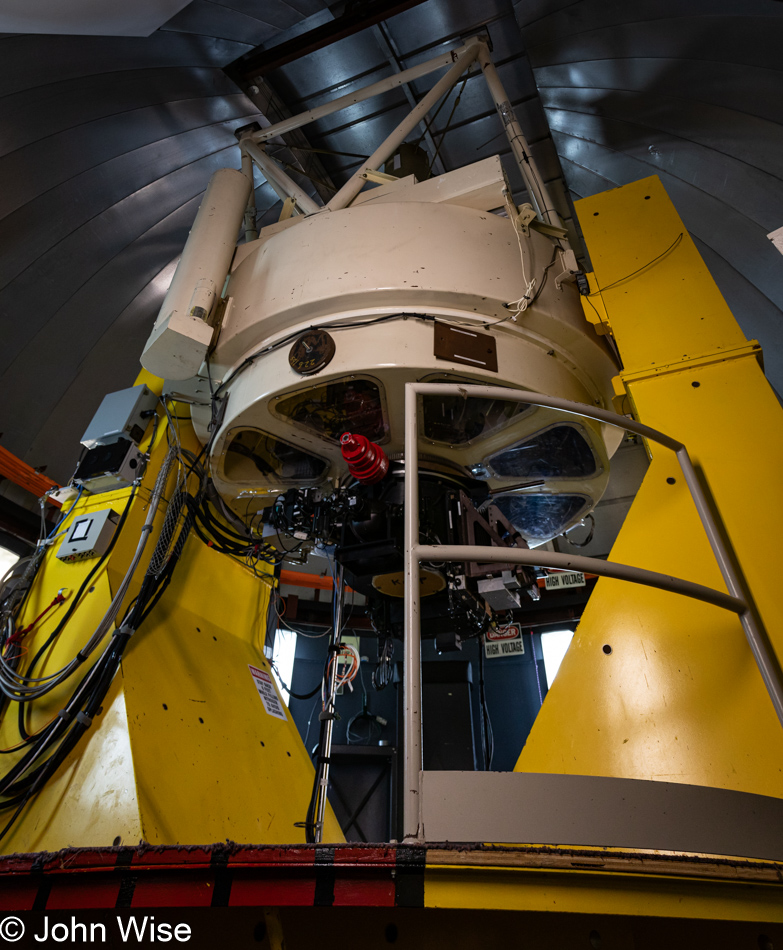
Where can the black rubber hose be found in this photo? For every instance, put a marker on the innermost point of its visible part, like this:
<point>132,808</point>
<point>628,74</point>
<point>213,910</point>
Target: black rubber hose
<point>72,607</point>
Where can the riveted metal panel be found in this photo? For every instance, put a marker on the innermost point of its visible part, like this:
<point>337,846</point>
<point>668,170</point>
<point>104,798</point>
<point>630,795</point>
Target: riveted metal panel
<point>35,228</point>
<point>754,40</point>
<point>203,18</point>
<point>543,19</point>
<point>743,243</point>
<point>747,90</point>
<point>42,111</point>
<point>34,174</point>
<point>744,189</point>
<point>111,360</point>
<point>754,141</point>
<point>755,313</point>
<point>67,57</point>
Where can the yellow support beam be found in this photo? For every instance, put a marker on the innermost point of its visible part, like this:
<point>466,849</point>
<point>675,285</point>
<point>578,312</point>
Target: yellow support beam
<point>655,686</point>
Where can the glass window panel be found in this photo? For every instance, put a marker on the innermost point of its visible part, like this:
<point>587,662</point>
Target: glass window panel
<point>251,454</point>
<point>455,420</point>
<point>541,516</point>
<point>7,561</point>
<point>559,452</point>
<point>329,410</point>
<point>554,646</point>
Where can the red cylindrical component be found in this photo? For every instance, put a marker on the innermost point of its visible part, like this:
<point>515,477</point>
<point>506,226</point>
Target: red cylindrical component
<point>366,460</point>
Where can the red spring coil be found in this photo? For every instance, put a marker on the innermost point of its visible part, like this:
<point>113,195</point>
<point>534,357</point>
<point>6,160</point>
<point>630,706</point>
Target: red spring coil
<point>366,460</point>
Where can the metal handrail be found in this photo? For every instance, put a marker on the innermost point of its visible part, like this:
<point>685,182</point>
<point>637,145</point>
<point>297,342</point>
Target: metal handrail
<point>736,600</point>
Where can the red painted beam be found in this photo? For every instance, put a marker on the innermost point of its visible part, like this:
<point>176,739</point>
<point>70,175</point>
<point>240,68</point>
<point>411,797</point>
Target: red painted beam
<point>24,475</point>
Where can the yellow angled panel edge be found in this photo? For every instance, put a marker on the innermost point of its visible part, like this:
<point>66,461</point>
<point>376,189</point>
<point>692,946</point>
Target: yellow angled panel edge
<point>650,273</point>
<point>197,722</point>
<point>587,892</point>
<point>752,348</point>
<point>678,696</point>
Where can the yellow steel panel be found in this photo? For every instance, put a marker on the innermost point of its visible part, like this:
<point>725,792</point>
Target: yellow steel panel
<point>731,423</point>
<point>155,383</point>
<point>210,766</point>
<point>679,698</point>
<point>92,798</point>
<point>53,576</point>
<point>574,892</point>
<point>626,230</point>
<point>752,348</point>
<point>91,801</point>
<point>197,721</point>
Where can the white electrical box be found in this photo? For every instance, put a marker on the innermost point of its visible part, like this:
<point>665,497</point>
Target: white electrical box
<point>89,536</point>
<point>121,415</point>
<point>110,467</point>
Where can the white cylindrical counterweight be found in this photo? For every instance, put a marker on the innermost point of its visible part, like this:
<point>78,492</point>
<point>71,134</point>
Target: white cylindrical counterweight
<point>182,334</point>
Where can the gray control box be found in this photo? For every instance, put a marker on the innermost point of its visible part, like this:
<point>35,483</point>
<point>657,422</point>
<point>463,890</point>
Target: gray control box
<point>89,536</point>
<point>119,416</point>
<point>110,467</point>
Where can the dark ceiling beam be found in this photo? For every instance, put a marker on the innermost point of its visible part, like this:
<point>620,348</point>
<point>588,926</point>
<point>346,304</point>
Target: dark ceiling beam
<point>358,17</point>
<point>19,527</point>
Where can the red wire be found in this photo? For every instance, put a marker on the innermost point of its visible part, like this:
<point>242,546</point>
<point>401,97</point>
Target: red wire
<point>18,634</point>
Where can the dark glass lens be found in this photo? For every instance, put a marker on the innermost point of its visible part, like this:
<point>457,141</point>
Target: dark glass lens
<point>541,516</point>
<point>560,452</point>
<point>332,409</point>
<point>252,453</point>
<point>454,420</point>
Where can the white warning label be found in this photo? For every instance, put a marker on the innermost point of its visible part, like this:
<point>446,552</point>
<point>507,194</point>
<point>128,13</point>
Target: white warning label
<point>506,641</point>
<point>559,581</point>
<point>267,692</point>
<point>504,648</point>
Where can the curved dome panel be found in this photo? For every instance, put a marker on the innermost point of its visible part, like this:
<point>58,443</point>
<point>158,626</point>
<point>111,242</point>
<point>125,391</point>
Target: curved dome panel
<point>689,91</point>
<point>107,144</point>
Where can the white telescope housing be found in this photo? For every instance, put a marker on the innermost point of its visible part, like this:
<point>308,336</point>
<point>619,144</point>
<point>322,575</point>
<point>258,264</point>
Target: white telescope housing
<point>183,330</point>
<point>405,264</point>
<point>330,312</point>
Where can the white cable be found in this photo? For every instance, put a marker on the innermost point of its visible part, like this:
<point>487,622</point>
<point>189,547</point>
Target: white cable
<point>520,305</point>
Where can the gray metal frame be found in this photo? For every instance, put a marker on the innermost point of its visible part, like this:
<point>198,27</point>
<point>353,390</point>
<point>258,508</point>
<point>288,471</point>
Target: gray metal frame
<point>736,600</point>
<point>474,50</point>
<point>591,810</point>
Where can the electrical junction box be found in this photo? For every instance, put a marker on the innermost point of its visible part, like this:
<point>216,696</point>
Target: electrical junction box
<point>501,593</point>
<point>120,416</point>
<point>109,467</point>
<point>89,536</point>
<point>341,664</point>
<point>62,496</point>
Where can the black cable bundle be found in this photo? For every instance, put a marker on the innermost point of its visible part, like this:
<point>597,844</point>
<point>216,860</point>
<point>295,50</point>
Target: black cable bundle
<point>61,736</point>
<point>487,737</point>
<point>71,608</point>
<point>224,539</point>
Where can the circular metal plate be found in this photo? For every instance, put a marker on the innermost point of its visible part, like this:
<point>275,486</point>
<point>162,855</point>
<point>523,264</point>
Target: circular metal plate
<point>393,585</point>
<point>311,352</point>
